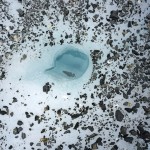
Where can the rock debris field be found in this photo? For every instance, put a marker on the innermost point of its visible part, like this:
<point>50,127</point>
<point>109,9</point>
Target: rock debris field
<point>108,108</point>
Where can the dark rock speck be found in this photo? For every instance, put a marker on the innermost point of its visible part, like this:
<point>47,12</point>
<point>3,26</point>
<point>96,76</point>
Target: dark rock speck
<point>119,116</point>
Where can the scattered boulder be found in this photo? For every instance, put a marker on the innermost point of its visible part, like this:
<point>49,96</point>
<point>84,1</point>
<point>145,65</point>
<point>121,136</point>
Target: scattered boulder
<point>114,15</point>
<point>17,130</point>
<point>23,135</point>
<point>119,116</point>
<point>46,88</point>
<point>20,12</point>
<point>129,139</point>
<point>102,105</point>
<point>19,123</point>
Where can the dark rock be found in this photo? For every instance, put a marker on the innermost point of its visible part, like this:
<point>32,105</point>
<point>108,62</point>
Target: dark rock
<point>68,131</point>
<point>135,52</point>
<point>122,67</point>
<point>78,39</point>
<point>31,143</point>
<point>2,112</point>
<point>126,103</point>
<point>117,90</point>
<point>137,105</point>
<point>90,128</point>
<point>92,136</point>
<point>93,104</point>
<point>109,95</point>
<point>38,144</point>
<point>96,55</point>
<point>141,146</point>
<point>129,110</point>
<point>112,143</point>
<point>53,129</point>
<point>61,41</point>
<point>115,147</point>
<point>129,91</point>
<point>145,99</point>
<point>84,96</point>
<point>146,109</point>
<point>60,147</point>
<point>123,131</point>
<point>1,126</point>
<point>99,141</point>
<point>133,109</point>
<point>94,5</point>
<point>1,28</point>
<point>69,74</point>
<point>23,135</point>
<point>27,115</point>
<point>37,118</point>
<point>72,146</point>
<point>109,42</point>
<point>114,15</point>
<point>14,100</point>
<point>10,147</point>
<point>147,46</point>
<point>129,139</point>
<point>86,148</point>
<point>143,133</point>
<point>102,80</point>
<point>111,114</point>
<point>102,105</point>
<point>66,36</point>
<point>125,95</point>
<point>46,88</point>
<point>94,146</point>
<point>11,114</point>
<point>59,112</point>
<point>46,108</point>
<point>45,44</point>
<point>148,16</point>
<point>1,58</point>
<point>76,126</point>
<point>19,122</point>
<point>133,132</point>
<point>74,116</point>
<point>7,110</point>
<point>66,126</point>
<point>2,76</point>
<point>84,128</point>
<point>125,75</point>
<point>86,19</point>
<point>84,110</point>
<point>43,130</point>
<point>129,24</point>
<point>119,116</point>
<point>17,130</point>
<point>95,17</point>
<point>92,95</point>
<point>20,129</point>
<point>21,12</point>
<point>66,11</point>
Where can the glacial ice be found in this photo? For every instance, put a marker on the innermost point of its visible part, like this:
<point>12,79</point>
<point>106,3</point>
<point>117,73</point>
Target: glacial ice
<point>69,64</point>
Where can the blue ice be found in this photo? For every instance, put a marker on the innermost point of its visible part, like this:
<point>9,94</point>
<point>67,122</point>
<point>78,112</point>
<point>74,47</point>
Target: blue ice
<point>70,64</point>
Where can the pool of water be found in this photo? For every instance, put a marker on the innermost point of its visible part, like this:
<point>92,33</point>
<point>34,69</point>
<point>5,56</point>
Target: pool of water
<point>69,64</point>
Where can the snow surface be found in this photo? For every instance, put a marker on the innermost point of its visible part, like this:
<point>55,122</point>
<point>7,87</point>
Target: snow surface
<point>25,80</point>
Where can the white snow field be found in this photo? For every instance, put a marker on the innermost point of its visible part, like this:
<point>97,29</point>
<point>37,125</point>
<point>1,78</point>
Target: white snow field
<point>106,105</point>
